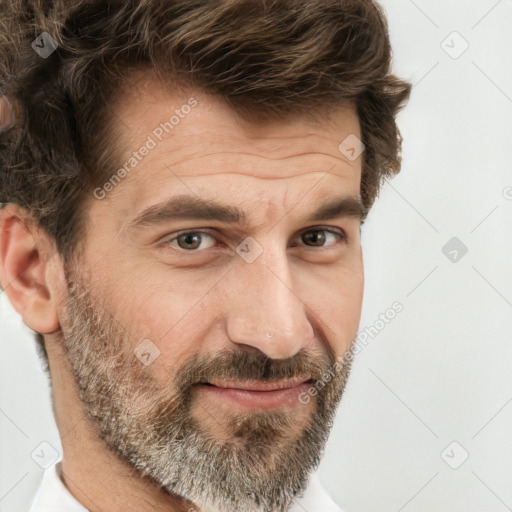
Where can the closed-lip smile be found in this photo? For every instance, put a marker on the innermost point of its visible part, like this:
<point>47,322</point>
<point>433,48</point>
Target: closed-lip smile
<point>257,394</point>
<point>258,385</point>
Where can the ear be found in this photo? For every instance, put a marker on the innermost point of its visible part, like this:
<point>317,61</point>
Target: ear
<point>25,270</point>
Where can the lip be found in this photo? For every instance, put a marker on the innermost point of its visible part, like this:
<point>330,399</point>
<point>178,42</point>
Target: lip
<point>257,394</point>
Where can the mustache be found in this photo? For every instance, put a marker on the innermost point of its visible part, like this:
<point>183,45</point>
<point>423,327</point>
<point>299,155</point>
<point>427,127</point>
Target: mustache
<point>250,366</point>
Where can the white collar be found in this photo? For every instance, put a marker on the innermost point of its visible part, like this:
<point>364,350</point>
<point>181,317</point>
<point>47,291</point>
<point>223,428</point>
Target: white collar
<point>53,496</point>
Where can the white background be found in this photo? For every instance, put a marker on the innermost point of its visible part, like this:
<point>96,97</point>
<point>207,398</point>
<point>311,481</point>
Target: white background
<point>441,371</point>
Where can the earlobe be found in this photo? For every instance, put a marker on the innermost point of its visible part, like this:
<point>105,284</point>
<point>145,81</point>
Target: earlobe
<point>25,254</point>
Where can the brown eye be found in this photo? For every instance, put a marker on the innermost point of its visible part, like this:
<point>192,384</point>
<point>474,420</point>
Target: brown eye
<point>316,238</point>
<point>320,237</point>
<point>189,241</point>
<point>192,241</point>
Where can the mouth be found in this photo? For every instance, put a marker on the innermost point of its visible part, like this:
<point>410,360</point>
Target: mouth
<point>257,394</point>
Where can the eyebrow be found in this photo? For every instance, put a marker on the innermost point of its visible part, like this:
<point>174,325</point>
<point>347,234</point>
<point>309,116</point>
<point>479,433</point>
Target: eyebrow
<point>186,207</point>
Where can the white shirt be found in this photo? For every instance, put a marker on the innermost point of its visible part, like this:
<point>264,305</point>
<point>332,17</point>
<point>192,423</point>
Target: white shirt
<point>53,496</point>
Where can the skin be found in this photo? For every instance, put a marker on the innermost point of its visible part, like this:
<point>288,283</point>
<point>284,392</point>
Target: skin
<point>197,303</point>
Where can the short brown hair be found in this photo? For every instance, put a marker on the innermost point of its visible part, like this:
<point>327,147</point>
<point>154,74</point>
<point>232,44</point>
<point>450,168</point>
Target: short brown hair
<point>267,59</point>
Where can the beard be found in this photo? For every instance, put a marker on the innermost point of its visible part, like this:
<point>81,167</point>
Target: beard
<point>263,460</point>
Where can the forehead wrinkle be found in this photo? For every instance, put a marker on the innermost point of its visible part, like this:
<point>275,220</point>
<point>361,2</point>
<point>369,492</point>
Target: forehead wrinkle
<point>342,163</point>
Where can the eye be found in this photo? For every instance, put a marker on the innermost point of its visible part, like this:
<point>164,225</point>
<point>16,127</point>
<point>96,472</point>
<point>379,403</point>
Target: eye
<point>191,241</point>
<point>320,237</point>
<point>197,241</point>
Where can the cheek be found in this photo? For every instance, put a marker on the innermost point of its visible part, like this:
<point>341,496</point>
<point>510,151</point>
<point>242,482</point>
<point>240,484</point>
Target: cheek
<point>177,317</point>
<point>351,303</point>
<point>338,306</point>
<point>172,313</point>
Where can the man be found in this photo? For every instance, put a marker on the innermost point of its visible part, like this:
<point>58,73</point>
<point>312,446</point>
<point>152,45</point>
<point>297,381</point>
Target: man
<point>183,187</point>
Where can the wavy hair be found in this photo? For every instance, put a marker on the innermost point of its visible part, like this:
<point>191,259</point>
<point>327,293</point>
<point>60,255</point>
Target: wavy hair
<point>266,59</point>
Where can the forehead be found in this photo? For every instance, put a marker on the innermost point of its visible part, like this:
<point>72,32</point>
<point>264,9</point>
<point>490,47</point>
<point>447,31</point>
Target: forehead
<point>199,144</point>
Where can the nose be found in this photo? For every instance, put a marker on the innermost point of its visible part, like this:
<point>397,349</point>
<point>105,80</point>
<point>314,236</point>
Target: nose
<point>264,310</point>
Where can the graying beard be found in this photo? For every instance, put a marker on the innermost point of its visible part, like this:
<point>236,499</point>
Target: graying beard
<point>177,454</point>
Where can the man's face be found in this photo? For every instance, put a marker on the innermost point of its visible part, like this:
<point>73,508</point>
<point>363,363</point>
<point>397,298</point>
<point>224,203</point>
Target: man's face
<point>192,333</point>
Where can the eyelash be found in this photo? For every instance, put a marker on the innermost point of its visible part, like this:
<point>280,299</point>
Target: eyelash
<point>340,233</point>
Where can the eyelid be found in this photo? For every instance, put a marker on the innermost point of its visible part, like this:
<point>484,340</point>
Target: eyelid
<point>331,229</point>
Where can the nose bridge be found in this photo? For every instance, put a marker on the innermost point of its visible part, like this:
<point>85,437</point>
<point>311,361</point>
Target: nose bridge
<point>264,311</point>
